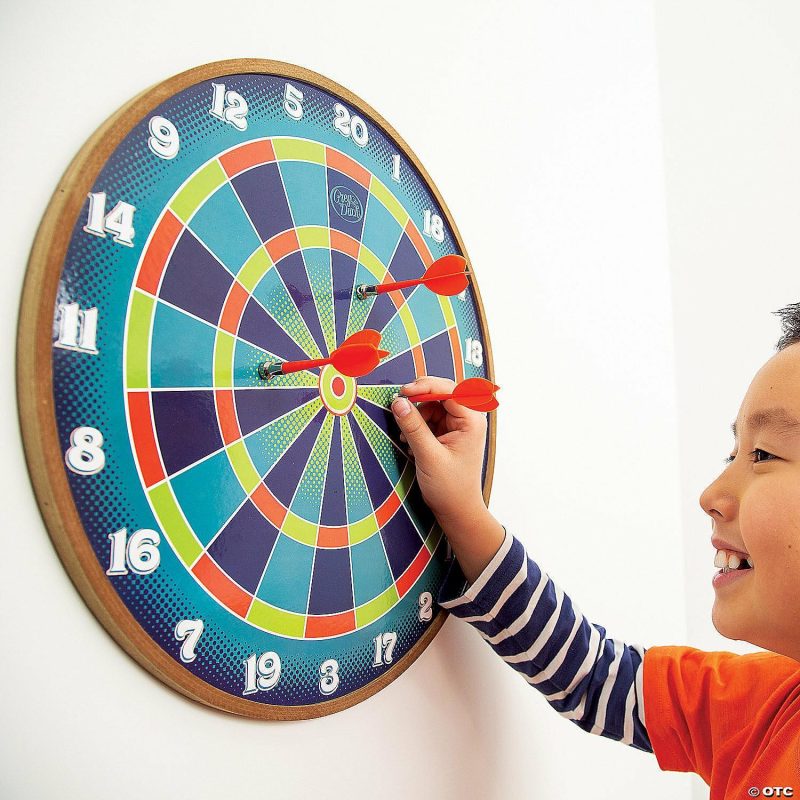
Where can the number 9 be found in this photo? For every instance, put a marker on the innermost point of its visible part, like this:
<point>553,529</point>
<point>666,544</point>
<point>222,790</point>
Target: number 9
<point>164,140</point>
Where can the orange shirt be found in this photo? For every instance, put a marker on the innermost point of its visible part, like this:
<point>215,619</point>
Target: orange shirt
<point>734,720</point>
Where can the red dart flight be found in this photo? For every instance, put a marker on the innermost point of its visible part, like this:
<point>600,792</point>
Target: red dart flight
<point>356,356</point>
<point>446,276</point>
<point>475,393</point>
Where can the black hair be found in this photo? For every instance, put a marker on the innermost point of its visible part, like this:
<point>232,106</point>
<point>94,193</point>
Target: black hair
<point>790,324</point>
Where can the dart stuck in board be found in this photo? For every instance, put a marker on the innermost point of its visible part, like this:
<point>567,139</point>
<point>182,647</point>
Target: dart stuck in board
<point>446,276</point>
<point>358,355</point>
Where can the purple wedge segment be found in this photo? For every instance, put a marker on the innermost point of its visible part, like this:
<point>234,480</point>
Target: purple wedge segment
<point>260,329</point>
<point>397,370</point>
<point>186,427</point>
<point>292,269</point>
<point>382,417</point>
<point>261,193</point>
<point>256,408</point>
<point>439,356</point>
<point>244,546</point>
<point>381,313</point>
<point>334,506</point>
<point>401,540</point>
<point>331,582</point>
<point>344,277</point>
<point>378,485</point>
<point>285,476</point>
<point>195,281</point>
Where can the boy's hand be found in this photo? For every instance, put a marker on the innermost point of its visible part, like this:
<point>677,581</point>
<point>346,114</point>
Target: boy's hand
<point>446,441</point>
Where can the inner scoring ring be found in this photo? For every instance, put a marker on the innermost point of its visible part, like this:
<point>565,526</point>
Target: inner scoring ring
<point>337,391</point>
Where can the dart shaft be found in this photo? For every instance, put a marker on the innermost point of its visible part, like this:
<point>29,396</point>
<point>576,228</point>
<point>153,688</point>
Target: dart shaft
<point>469,398</point>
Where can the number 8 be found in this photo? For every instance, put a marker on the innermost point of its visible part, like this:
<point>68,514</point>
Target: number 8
<point>86,456</point>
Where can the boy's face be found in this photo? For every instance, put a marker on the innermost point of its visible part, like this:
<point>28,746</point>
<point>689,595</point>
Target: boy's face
<point>755,510</point>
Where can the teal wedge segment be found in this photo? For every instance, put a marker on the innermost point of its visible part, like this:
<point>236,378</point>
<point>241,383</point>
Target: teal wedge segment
<point>394,336</point>
<point>371,572</point>
<point>306,188</point>
<point>287,580</point>
<point>182,350</point>
<point>359,309</point>
<point>208,511</point>
<point>427,312</point>
<point>235,241</point>
<point>381,231</point>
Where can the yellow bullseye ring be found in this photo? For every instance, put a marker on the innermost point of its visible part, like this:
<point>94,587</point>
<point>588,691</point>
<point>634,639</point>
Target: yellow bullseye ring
<point>337,391</point>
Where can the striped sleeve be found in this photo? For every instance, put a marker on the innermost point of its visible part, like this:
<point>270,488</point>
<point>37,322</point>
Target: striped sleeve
<point>586,676</point>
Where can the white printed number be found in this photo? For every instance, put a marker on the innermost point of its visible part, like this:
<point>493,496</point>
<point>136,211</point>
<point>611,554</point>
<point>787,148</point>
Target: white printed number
<point>139,552</point>
<point>118,221</point>
<point>293,101</point>
<point>474,353</point>
<point>229,106</point>
<point>262,673</point>
<point>77,329</point>
<point>425,607</point>
<point>189,632</point>
<point>350,125</point>
<point>433,226</point>
<point>164,140</point>
<point>384,648</point>
<point>85,456</point>
<point>329,676</point>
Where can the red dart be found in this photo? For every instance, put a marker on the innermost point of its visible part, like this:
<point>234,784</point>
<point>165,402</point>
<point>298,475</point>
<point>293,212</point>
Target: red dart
<point>446,276</point>
<point>475,393</point>
<point>356,356</point>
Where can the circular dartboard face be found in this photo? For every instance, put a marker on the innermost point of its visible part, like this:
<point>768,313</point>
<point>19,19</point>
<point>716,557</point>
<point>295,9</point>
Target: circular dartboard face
<point>260,545</point>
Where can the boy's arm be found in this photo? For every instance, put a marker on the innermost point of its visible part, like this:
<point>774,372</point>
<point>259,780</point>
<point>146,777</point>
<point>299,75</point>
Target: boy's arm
<point>586,676</point>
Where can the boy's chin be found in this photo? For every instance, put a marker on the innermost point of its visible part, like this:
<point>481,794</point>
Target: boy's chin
<point>727,622</point>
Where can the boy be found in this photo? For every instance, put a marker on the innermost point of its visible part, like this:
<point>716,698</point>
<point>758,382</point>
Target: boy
<point>734,720</point>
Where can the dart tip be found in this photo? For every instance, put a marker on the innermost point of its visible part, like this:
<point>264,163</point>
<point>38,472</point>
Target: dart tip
<point>383,353</point>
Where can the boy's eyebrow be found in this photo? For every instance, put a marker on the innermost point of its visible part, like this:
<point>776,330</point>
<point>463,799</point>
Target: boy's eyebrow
<point>777,418</point>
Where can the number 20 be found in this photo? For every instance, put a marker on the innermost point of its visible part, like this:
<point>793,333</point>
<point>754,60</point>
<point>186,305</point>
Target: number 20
<point>351,126</point>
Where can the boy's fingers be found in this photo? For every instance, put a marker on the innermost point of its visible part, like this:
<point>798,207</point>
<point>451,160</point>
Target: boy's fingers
<point>428,384</point>
<point>419,436</point>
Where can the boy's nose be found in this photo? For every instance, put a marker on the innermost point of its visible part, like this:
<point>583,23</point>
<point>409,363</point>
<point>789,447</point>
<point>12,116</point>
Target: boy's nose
<point>718,500</point>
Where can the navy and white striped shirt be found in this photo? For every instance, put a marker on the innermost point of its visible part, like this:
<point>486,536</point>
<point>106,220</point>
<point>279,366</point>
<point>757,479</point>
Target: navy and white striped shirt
<point>588,677</point>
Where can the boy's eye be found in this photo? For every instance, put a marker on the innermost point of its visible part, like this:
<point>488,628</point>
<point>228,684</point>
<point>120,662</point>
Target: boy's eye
<point>756,456</point>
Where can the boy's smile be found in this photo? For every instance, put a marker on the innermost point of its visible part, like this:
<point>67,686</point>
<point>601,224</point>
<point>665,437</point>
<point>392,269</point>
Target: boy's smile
<point>755,510</point>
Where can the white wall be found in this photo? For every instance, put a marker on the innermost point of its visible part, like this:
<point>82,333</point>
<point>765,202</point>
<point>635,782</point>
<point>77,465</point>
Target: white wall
<point>563,214</point>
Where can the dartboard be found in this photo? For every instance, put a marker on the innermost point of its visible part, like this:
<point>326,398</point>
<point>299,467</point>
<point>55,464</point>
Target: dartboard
<point>260,545</point>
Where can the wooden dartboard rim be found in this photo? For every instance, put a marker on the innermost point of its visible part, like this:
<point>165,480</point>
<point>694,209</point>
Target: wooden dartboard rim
<point>37,409</point>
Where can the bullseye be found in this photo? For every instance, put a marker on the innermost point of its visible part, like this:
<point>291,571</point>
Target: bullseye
<point>337,391</point>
